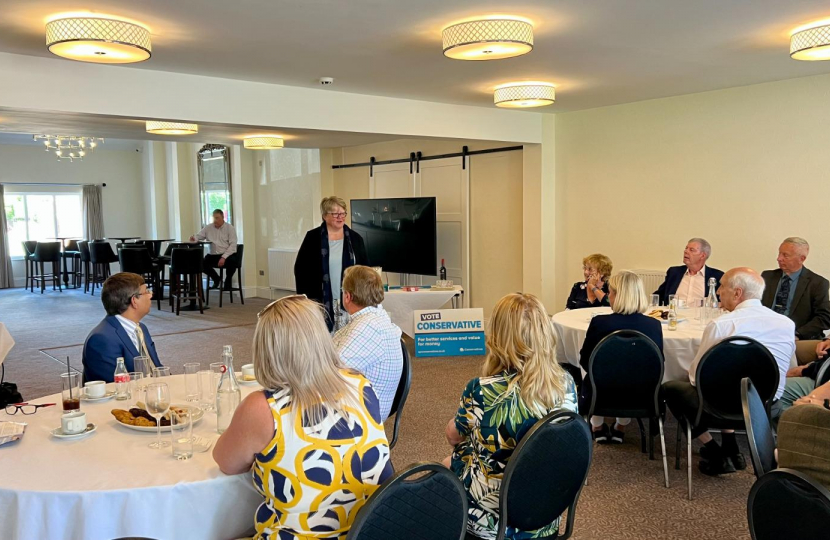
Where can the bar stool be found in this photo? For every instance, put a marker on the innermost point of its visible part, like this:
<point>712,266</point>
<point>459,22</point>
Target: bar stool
<point>137,260</point>
<point>28,251</point>
<point>72,252</point>
<point>100,255</point>
<point>47,252</point>
<point>185,276</point>
<point>83,272</point>
<point>163,262</point>
<point>239,251</point>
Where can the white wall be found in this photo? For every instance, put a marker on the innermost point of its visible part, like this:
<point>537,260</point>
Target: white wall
<point>123,198</point>
<point>743,167</point>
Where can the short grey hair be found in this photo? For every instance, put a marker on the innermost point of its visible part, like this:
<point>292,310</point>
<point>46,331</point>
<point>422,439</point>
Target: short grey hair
<point>705,246</point>
<point>750,282</point>
<point>798,242</point>
<point>330,202</point>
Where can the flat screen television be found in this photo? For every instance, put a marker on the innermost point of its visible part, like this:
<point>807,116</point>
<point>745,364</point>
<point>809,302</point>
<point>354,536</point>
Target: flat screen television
<point>400,234</point>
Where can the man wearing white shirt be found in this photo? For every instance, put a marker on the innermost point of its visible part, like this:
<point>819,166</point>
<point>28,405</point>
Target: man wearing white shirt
<point>370,343</point>
<point>222,237</point>
<point>740,293</point>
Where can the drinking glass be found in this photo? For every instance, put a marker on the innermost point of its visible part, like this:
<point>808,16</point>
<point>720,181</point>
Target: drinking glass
<point>655,300</point>
<point>143,364</point>
<point>181,433</point>
<point>158,403</point>
<point>191,381</point>
<point>71,391</point>
<point>137,384</point>
<point>207,390</point>
<point>672,300</point>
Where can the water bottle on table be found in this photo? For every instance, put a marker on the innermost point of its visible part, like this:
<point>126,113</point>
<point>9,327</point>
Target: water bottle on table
<point>228,395</point>
<point>122,380</point>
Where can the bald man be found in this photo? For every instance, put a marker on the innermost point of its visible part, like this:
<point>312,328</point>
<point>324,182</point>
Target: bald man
<point>740,293</point>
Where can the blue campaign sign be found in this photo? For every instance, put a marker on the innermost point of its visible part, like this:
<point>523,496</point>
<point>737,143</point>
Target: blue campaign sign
<point>449,332</point>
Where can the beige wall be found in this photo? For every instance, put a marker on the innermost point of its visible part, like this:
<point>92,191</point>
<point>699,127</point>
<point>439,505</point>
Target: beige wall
<point>743,167</point>
<point>495,207</point>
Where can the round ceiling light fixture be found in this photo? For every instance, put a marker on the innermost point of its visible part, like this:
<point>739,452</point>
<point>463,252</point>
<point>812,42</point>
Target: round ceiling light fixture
<point>524,94</point>
<point>488,39</point>
<point>263,142</point>
<point>171,128</point>
<point>98,39</point>
<point>811,42</point>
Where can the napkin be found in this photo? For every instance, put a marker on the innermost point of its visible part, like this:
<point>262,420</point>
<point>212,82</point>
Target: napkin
<point>6,342</point>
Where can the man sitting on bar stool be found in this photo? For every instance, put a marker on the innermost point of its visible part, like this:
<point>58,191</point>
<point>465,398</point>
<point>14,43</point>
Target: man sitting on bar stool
<point>222,236</point>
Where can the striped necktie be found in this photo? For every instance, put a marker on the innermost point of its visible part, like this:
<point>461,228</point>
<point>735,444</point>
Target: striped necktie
<point>142,346</point>
<point>783,295</point>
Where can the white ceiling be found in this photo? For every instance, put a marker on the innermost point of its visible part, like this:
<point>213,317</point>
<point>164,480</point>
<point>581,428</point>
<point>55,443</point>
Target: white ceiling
<point>598,52</point>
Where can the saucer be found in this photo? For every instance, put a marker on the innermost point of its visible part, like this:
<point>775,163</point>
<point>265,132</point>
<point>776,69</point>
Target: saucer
<point>242,381</point>
<point>109,395</point>
<point>58,432</point>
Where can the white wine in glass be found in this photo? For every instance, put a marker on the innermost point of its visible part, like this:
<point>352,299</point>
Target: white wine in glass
<point>158,403</point>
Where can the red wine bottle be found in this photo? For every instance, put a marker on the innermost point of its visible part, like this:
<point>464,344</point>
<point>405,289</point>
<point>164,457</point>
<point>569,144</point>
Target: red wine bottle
<point>443,271</point>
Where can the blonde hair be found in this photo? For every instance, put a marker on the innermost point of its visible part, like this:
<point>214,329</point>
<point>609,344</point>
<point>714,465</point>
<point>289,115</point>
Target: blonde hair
<point>600,262</point>
<point>292,350</point>
<point>630,293</point>
<point>521,338</point>
<point>330,202</point>
<point>364,284</point>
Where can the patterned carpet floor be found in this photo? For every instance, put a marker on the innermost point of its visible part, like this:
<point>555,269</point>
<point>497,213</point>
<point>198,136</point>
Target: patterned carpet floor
<point>625,498</point>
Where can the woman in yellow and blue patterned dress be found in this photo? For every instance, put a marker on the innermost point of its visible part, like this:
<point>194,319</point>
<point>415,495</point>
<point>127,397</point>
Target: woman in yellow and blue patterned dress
<point>522,383</point>
<point>314,437</point>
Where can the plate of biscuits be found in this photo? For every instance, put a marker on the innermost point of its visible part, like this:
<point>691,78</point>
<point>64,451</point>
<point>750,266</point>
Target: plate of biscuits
<point>139,419</point>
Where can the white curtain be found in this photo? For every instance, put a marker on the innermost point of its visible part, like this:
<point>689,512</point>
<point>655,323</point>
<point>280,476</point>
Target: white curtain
<point>6,276</point>
<point>93,213</point>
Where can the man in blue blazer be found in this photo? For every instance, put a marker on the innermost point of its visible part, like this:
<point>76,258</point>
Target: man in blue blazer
<point>121,334</point>
<point>690,281</point>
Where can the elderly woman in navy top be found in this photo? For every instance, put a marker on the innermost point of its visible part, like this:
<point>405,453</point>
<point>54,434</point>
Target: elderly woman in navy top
<point>593,292</point>
<point>325,254</point>
<point>629,302</point>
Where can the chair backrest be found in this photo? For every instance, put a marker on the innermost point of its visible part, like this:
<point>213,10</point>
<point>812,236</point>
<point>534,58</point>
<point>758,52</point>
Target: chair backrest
<point>186,260</point>
<point>823,375</point>
<point>240,250</point>
<point>546,472</point>
<point>29,247</point>
<point>719,374</point>
<point>403,385</point>
<point>135,260</point>
<point>48,251</point>
<point>785,503</point>
<point>758,429</point>
<point>71,245</point>
<point>414,506</point>
<point>168,251</point>
<point>100,252</point>
<point>83,247</point>
<point>626,372</point>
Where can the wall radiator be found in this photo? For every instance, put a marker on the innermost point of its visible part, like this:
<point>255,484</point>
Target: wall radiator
<point>281,268</point>
<point>652,279</point>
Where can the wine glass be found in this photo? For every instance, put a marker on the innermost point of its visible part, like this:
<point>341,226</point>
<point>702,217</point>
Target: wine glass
<point>158,403</point>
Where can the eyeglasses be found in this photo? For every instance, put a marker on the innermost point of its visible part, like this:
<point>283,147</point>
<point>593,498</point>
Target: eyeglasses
<point>339,215</point>
<point>26,408</point>
<point>140,294</point>
<point>272,304</point>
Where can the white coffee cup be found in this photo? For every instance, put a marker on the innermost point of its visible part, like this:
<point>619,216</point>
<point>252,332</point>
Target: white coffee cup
<point>95,389</point>
<point>74,422</point>
<point>248,372</point>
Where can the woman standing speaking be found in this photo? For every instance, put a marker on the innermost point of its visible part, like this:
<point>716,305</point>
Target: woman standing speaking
<point>325,254</point>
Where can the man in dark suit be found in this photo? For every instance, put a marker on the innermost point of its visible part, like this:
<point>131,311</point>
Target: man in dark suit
<point>690,281</point>
<point>121,334</point>
<point>797,292</point>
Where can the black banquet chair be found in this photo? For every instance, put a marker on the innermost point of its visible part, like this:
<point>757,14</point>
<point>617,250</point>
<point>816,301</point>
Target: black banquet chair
<point>401,394</point>
<point>785,503</point>
<point>823,375</point>
<point>758,430</point>
<point>626,377</point>
<point>718,383</point>
<point>425,501</point>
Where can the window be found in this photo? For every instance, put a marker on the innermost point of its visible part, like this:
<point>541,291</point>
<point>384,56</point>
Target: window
<point>215,181</point>
<point>42,216</point>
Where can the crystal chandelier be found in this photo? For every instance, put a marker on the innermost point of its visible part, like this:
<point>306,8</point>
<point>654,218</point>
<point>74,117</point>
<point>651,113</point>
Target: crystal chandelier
<point>69,147</point>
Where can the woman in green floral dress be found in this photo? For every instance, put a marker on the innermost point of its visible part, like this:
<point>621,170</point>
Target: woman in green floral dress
<point>521,383</point>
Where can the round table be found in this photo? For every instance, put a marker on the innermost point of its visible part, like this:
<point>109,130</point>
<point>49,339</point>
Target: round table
<point>110,484</point>
<point>679,346</point>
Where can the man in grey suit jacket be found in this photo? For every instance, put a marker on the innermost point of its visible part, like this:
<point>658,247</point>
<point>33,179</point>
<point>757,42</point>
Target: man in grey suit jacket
<point>800,294</point>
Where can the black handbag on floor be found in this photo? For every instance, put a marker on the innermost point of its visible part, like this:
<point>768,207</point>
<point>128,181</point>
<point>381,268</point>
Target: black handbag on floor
<point>8,391</point>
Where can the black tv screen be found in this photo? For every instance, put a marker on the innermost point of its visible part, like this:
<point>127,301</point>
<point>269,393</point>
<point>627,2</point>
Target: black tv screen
<point>400,234</point>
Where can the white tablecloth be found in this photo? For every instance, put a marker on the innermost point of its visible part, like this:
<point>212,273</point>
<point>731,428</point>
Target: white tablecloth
<point>679,346</point>
<point>110,484</point>
<point>401,305</point>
